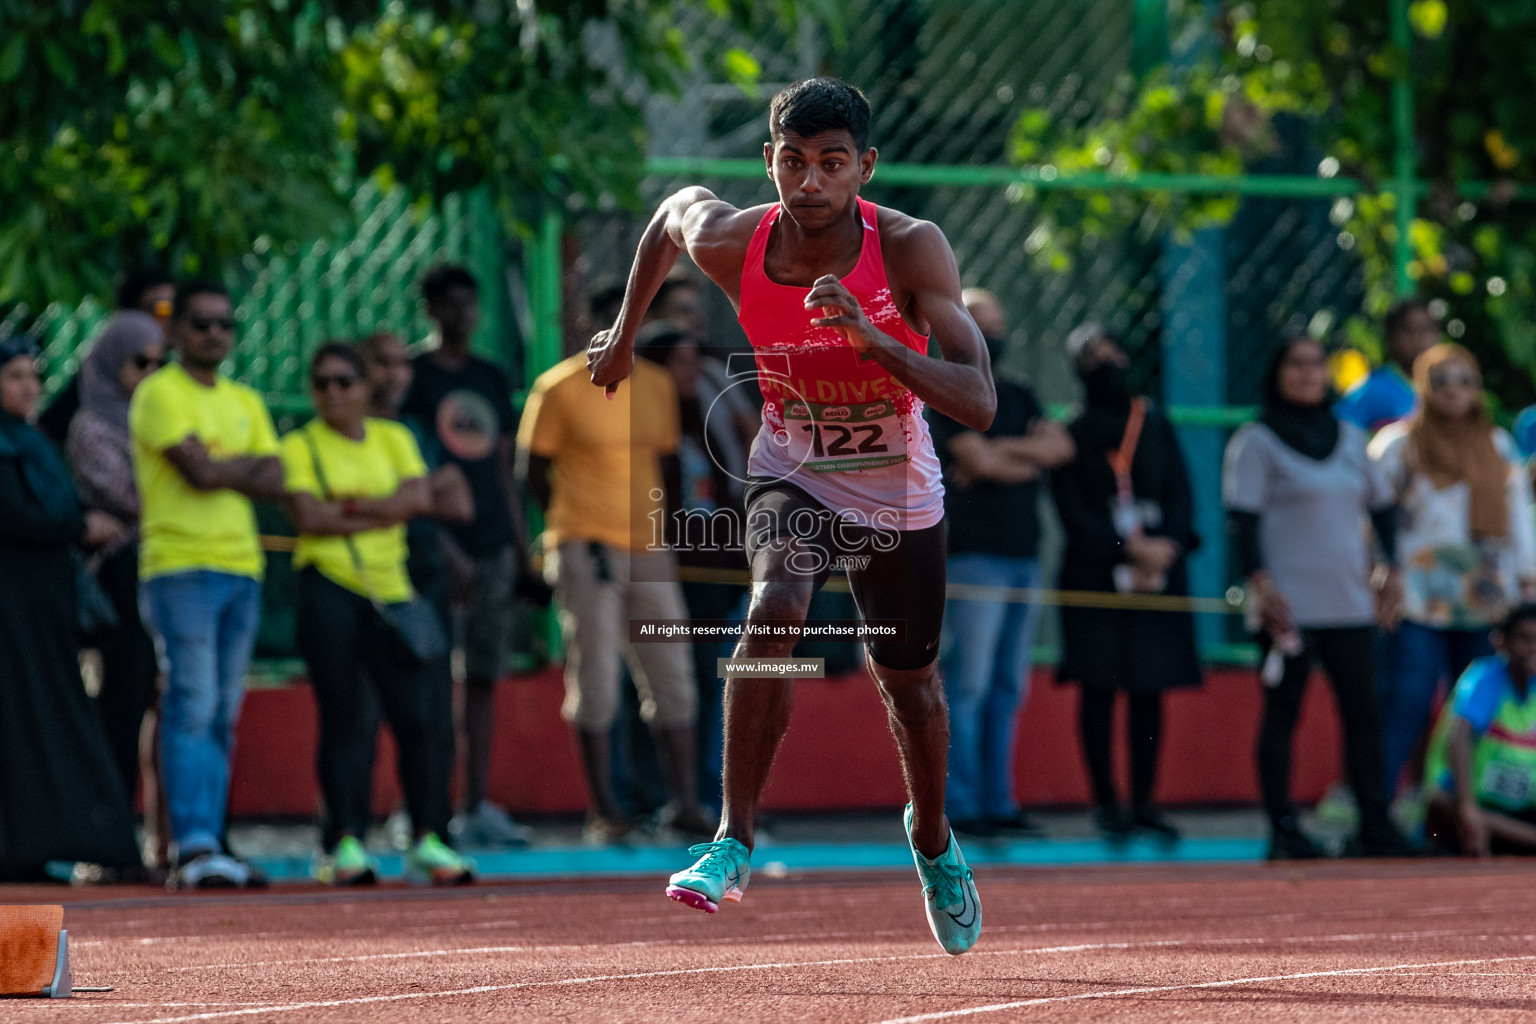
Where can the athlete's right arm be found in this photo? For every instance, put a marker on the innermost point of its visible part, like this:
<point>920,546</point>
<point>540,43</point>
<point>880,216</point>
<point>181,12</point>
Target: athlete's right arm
<point>693,221</point>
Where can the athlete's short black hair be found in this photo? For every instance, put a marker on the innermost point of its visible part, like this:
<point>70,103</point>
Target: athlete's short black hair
<point>137,282</point>
<point>445,276</point>
<point>197,286</point>
<point>1519,613</point>
<point>1397,317</point>
<point>815,105</point>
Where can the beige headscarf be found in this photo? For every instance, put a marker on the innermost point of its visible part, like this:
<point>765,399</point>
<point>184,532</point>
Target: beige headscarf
<point>1448,451</point>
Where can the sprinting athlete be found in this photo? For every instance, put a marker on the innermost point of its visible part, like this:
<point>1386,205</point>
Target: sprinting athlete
<point>839,299</point>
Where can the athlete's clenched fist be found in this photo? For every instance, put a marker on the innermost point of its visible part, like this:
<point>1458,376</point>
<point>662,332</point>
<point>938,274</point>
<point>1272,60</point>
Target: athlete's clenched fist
<point>842,312</point>
<point>610,359</point>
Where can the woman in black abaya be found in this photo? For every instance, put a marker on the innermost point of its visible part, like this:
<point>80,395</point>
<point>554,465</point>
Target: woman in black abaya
<point>60,796</point>
<point>1128,513</point>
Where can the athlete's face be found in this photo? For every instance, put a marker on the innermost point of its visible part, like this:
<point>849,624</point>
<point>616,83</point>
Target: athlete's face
<point>818,177</point>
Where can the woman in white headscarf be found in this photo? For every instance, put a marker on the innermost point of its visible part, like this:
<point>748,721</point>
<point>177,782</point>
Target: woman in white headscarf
<point>130,348</point>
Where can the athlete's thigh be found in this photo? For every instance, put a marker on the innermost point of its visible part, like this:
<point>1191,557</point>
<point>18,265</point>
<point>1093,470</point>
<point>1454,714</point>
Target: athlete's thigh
<point>899,576</point>
<point>790,536</point>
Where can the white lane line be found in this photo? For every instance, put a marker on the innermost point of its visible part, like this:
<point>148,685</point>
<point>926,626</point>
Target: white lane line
<point>1229,983</point>
<point>1075,948</point>
<point>480,989</point>
<point>372,929</point>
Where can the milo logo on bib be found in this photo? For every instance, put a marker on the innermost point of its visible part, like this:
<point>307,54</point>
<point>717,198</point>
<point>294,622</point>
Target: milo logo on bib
<point>840,438</point>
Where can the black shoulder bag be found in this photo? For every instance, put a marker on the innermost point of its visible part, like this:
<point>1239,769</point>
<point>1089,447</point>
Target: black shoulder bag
<point>415,632</point>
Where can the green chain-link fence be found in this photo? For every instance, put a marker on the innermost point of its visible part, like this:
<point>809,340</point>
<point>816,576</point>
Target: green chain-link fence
<point>290,301</point>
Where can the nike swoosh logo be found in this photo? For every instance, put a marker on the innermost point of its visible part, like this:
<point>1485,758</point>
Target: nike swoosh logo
<point>968,908</point>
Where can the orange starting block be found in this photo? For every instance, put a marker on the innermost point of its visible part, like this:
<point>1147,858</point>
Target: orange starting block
<point>34,953</point>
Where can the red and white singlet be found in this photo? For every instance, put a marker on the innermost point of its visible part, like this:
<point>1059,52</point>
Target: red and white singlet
<point>836,423</point>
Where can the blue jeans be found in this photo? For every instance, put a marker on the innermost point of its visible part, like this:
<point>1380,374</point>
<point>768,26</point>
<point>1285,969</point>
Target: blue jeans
<point>1417,658</point>
<point>985,658</point>
<point>204,625</point>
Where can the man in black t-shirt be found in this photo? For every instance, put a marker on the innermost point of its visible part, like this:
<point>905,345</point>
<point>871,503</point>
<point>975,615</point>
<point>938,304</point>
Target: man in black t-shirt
<point>467,402</point>
<point>991,491</point>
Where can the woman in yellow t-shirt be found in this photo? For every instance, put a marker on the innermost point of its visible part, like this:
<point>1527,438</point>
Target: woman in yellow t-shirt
<point>353,482</point>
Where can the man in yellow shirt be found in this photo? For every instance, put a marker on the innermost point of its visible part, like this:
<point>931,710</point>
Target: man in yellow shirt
<point>203,447</point>
<point>595,467</point>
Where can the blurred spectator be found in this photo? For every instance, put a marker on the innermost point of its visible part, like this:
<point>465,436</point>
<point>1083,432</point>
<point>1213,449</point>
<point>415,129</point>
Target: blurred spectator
<point>1481,777</point>
<point>1523,429</point>
<point>1379,399</point>
<point>1298,488</point>
<point>354,481</point>
<point>387,365</point>
<point>203,447</point>
<point>468,403</point>
<point>1126,505</point>
<point>388,368</point>
<point>991,505</point>
<point>1465,541</point>
<point>60,797</point>
<point>129,349</point>
<point>680,302</point>
<point>594,465</point>
<point>148,291</point>
<point>706,500</point>
<point>1386,395</point>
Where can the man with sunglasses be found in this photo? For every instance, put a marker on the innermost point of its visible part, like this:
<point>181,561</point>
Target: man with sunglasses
<point>203,448</point>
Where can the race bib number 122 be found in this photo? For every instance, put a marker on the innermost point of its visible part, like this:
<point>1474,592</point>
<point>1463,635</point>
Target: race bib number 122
<point>840,438</point>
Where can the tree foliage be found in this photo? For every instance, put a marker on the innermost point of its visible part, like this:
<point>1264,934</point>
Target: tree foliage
<point>1472,65</point>
<point>190,131</point>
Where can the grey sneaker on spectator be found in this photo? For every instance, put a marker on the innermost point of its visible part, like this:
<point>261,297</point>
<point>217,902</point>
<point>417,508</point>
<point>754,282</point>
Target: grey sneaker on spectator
<point>601,831</point>
<point>398,830</point>
<point>212,869</point>
<point>487,825</point>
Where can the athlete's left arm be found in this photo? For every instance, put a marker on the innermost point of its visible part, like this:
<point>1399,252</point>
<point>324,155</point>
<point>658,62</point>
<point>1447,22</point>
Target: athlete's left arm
<point>959,385</point>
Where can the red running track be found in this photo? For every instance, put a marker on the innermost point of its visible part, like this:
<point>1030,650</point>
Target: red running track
<point>1426,941</point>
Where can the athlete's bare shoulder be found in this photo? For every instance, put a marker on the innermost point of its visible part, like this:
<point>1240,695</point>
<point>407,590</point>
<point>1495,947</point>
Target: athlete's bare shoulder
<point>709,221</point>
<point>918,263</point>
<point>716,235</point>
<point>905,238</point>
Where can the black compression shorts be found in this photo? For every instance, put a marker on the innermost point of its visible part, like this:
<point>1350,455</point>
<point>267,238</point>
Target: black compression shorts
<point>894,574</point>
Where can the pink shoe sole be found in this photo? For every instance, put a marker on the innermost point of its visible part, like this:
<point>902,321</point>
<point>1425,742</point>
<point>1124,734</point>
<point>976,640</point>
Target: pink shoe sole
<point>698,901</point>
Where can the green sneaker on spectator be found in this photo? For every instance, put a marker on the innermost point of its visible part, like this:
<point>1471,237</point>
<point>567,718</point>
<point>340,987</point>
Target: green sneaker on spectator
<point>348,864</point>
<point>433,862</point>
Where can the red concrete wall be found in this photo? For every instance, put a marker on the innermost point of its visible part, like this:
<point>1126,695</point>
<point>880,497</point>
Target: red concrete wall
<point>838,753</point>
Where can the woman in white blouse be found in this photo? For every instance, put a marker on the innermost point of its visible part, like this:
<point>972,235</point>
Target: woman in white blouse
<point>1466,544</point>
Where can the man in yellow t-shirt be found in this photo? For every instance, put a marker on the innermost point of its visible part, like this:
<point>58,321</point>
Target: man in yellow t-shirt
<point>203,447</point>
<point>595,466</point>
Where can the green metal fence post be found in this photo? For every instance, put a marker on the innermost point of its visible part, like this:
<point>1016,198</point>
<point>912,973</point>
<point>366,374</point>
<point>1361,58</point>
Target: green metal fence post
<point>1402,127</point>
<point>544,277</point>
<point>1149,45</point>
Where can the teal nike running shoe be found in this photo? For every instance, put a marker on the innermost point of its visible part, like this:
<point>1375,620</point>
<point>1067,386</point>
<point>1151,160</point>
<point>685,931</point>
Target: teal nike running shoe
<point>949,895</point>
<point>720,873</point>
